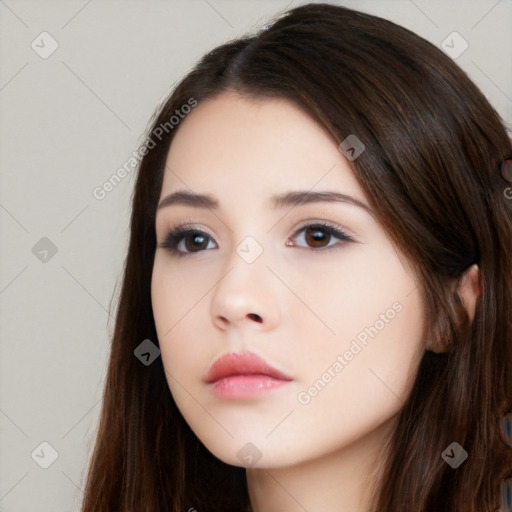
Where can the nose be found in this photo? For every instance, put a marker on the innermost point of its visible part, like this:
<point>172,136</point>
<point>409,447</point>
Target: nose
<point>246,297</point>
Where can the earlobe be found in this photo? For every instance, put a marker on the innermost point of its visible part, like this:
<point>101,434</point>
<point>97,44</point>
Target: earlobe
<point>470,289</point>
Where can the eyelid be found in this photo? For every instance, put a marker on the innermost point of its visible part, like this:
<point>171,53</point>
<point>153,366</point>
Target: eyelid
<point>331,224</point>
<point>176,234</point>
<point>187,223</point>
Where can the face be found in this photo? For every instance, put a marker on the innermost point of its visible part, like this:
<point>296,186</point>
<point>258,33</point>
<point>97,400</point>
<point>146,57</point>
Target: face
<point>316,289</point>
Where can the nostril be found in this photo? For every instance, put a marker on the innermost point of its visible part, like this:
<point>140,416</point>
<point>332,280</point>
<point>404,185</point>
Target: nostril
<point>224,320</point>
<point>254,316</point>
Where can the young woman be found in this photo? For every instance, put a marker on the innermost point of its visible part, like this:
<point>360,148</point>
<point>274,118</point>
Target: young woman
<point>316,306</point>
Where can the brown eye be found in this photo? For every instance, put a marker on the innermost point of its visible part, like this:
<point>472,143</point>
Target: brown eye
<point>195,241</point>
<point>319,236</point>
<point>316,237</point>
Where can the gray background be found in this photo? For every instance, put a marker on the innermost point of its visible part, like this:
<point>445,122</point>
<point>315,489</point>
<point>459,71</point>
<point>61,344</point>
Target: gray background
<point>69,121</point>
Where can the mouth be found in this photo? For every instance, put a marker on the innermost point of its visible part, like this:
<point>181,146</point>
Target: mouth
<point>243,375</point>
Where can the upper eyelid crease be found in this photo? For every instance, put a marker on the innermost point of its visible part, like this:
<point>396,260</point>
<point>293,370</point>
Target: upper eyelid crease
<point>291,199</point>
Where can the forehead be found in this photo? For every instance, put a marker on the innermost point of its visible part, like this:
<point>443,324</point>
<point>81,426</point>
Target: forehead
<point>232,144</point>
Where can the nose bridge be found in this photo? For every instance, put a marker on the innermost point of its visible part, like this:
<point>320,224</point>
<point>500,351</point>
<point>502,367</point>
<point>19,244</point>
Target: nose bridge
<point>246,291</point>
<point>249,253</point>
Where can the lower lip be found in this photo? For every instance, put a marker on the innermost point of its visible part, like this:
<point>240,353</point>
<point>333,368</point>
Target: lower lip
<point>245,386</point>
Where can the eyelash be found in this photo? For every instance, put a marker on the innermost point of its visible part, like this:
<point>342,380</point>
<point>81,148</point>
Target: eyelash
<point>175,236</point>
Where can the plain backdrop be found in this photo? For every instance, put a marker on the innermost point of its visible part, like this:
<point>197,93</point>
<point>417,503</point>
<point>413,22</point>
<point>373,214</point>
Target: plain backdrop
<point>69,120</point>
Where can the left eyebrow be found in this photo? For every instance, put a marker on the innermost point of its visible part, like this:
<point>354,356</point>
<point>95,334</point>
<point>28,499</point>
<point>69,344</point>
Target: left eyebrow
<point>294,198</point>
<point>299,197</point>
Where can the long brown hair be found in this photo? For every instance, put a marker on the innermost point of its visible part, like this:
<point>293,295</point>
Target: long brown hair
<point>430,171</point>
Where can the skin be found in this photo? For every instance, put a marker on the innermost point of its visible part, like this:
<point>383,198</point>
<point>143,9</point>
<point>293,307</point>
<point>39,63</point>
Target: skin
<point>312,303</point>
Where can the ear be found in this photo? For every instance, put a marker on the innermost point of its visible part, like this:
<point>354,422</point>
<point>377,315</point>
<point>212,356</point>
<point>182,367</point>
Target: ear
<point>470,288</point>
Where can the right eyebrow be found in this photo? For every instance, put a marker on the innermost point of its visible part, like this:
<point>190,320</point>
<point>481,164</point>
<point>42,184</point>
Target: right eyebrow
<point>189,199</point>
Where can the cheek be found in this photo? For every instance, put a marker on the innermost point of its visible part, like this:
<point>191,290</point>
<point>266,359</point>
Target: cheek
<point>365,376</point>
<point>363,373</point>
<point>342,400</point>
<point>170,302</point>
<point>174,296</point>
<point>178,302</point>
<point>365,295</point>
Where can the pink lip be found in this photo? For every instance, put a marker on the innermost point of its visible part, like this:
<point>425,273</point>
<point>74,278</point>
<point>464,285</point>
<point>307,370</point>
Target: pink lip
<point>243,375</point>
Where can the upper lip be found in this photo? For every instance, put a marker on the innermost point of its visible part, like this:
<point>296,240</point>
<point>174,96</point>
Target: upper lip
<point>246,363</point>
